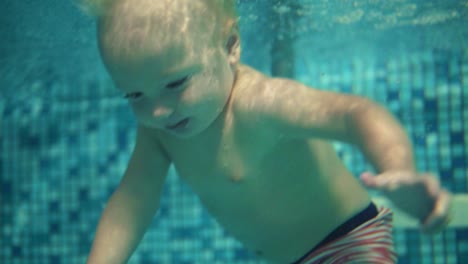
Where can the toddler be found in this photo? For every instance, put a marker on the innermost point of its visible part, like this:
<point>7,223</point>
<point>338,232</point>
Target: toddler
<point>255,149</point>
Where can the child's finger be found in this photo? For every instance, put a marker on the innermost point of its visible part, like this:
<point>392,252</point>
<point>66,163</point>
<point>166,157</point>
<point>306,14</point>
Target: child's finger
<point>440,216</point>
<point>369,180</point>
<point>383,182</point>
<point>432,184</point>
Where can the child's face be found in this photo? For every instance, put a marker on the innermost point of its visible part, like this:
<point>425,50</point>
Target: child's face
<point>175,76</point>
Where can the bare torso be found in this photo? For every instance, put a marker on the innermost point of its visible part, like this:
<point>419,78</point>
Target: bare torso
<point>278,196</point>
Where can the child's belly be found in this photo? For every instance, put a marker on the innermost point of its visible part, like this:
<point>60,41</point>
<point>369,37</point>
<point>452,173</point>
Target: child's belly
<point>284,207</point>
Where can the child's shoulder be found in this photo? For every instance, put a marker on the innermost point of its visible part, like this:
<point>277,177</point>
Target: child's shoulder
<point>287,106</point>
<point>258,97</point>
<point>253,84</point>
<point>249,89</point>
<point>257,92</point>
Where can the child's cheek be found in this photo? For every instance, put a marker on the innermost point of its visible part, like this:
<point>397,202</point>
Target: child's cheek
<point>143,110</point>
<point>137,109</point>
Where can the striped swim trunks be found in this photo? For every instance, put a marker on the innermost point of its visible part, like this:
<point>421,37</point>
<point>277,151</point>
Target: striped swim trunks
<point>369,242</point>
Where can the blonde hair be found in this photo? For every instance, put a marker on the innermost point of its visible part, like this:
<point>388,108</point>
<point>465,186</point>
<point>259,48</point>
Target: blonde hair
<point>224,12</point>
<point>223,9</point>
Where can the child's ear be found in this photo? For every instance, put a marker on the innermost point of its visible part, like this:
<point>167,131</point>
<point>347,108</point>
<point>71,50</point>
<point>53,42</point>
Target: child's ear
<point>233,46</point>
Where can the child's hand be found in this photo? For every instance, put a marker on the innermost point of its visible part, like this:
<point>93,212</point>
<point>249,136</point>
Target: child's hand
<point>420,196</point>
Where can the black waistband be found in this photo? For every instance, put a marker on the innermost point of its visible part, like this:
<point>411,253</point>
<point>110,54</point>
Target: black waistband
<point>355,221</point>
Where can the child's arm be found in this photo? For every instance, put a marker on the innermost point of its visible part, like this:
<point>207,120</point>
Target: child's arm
<point>298,111</point>
<point>133,205</point>
<point>304,112</point>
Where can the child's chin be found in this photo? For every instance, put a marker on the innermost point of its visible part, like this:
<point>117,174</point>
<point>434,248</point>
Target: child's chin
<point>185,134</point>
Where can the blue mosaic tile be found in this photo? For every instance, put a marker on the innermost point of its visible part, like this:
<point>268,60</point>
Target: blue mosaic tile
<point>393,96</point>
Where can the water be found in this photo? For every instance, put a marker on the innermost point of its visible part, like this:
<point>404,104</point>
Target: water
<point>66,136</point>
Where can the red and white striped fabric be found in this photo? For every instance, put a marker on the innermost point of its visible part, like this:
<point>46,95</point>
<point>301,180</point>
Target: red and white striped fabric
<point>370,242</point>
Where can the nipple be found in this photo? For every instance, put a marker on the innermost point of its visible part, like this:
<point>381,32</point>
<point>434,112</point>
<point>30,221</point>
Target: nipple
<point>236,177</point>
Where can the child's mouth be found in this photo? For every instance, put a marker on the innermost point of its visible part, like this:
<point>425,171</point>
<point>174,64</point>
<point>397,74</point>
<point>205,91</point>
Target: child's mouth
<point>179,125</point>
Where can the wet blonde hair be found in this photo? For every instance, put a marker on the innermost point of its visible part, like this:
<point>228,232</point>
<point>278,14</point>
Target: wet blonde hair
<point>224,10</point>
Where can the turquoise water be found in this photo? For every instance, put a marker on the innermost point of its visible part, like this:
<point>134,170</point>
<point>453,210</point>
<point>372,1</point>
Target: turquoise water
<point>66,137</point>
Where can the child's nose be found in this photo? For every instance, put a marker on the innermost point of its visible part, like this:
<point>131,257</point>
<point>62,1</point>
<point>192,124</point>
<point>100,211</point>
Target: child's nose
<point>162,111</point>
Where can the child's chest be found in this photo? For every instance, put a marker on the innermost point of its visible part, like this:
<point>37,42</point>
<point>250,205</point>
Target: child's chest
<point>230,158</point>
<point>235,175</point>
<point>241,167</point>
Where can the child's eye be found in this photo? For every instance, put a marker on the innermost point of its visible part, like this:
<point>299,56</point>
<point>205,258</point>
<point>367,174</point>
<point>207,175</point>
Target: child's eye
<point>133,96</point>
<point>176,84</point>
